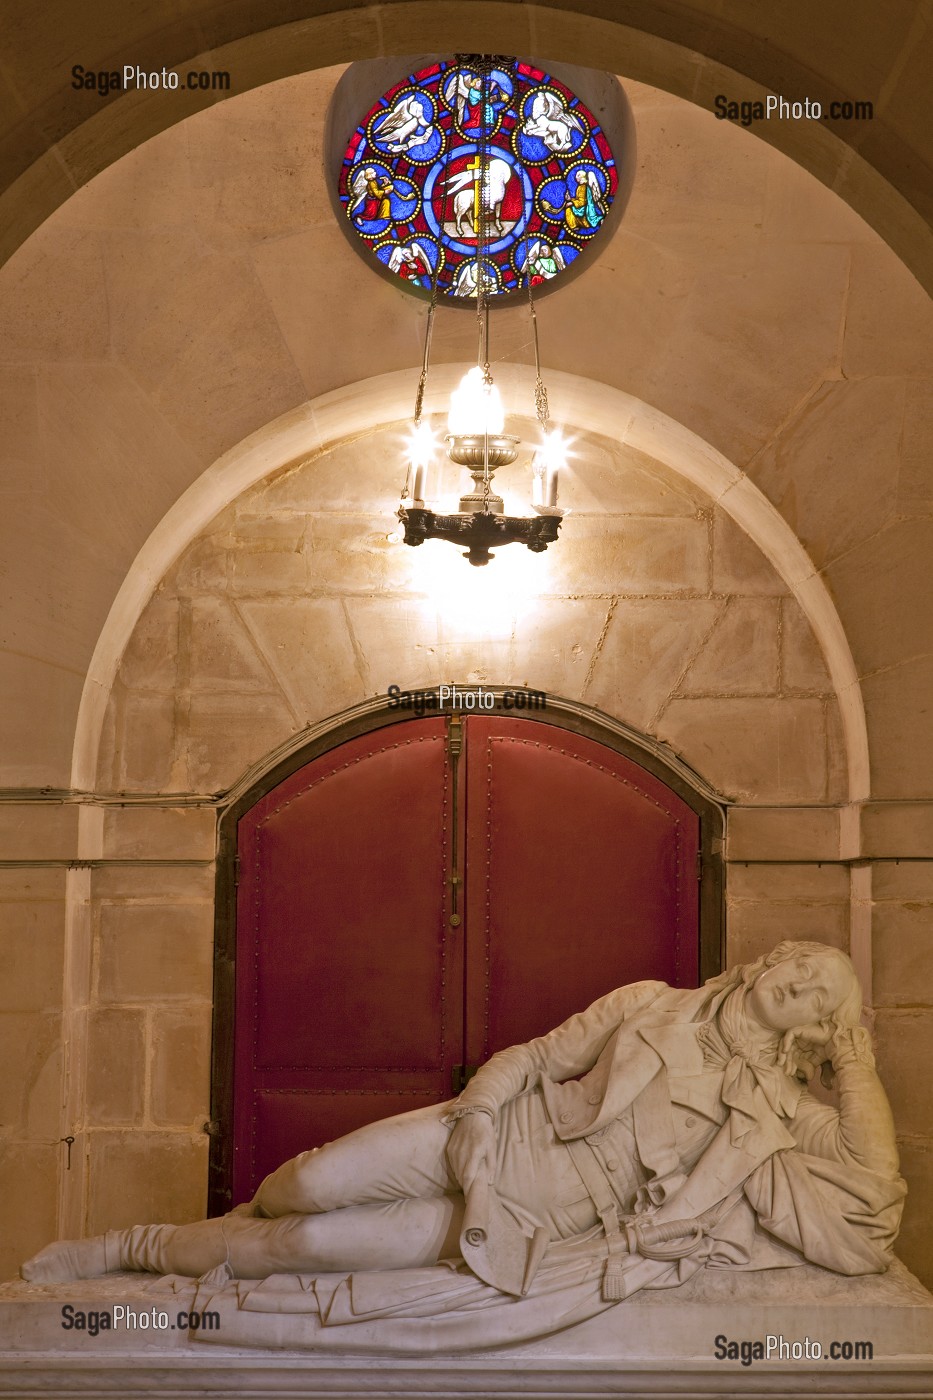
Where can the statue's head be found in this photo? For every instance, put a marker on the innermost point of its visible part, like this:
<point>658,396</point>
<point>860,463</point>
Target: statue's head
<point>801,992</point>
<point>804,984</point>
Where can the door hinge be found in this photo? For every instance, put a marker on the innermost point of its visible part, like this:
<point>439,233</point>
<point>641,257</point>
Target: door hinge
<point>455,736</point>
<point>236,871</point>
<point>460,1076</point>
<point>699,865</point>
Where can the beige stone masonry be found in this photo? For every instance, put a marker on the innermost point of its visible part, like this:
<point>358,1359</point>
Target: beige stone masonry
<point>897,710</point>
<point>791,732</point>
<point>159,833</point>
<point>180,1066</point>
<point>915,1243</point>
<point>801,833</point>
<point>741,654</point>
<point>903,879</point>
<point>756,928</point>
<point>902,950</point>
<point>150,952</point>
<point>32,931</point>
<point>116,1067</point>
<point>898,829</point>
<point>902,1037</point>
<point>290,606</point>
<point>145,1177</point>
<point>28,1184</point>
<point>29,1099</point>
<point>38,831</point>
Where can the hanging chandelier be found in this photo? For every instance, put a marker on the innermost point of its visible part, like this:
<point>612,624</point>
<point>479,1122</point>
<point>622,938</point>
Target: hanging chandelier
<point>476,437</point>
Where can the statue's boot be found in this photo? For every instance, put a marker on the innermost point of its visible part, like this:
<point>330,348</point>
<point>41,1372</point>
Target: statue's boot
<point>249,1247</point>
<point>160,1249</point>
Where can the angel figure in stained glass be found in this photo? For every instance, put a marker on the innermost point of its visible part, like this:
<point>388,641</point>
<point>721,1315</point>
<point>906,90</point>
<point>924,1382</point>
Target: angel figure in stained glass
<point>543,261</point>
<point>582,209</point>
<point>465,91</point>
<point>465,282</point>
<point>412,262</point>
<point>371,195</point>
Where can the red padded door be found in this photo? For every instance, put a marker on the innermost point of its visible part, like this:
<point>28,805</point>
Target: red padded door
<point>581,875</point>
<point>349,990</point>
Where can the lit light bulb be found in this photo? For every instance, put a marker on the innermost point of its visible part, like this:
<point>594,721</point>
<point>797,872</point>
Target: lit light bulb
<point>421,444</point>
<point>475,407</point>
<point>421,448</point>
<point>550,457</point>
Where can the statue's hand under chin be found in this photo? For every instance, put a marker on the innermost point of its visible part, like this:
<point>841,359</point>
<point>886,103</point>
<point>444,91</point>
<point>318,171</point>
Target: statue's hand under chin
<point>807,1048</point>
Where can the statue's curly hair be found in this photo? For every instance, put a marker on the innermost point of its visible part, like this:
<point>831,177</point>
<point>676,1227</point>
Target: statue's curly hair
<point>791,1057</point>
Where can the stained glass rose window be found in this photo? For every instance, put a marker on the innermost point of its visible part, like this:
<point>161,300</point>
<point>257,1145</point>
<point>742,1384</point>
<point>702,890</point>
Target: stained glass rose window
<point>461,155</point>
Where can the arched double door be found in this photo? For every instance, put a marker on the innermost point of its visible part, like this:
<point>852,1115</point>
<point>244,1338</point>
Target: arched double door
<point>428,893</point>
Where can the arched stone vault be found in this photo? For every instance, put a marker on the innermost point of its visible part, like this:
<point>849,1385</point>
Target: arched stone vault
<point>58,138</point>
<point>597,558</point>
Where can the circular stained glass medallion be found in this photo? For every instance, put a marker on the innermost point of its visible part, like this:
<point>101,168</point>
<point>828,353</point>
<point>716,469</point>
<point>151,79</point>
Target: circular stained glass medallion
<point>450,157</point>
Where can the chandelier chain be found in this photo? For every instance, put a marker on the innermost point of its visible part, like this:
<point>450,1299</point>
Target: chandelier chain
<point>481,523</point>
<point>429,324</point>
<point>482,232</point>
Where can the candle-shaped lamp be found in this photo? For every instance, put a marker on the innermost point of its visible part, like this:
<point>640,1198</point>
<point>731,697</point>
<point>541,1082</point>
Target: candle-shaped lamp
<point>421,446</point>
<point>548,461</point>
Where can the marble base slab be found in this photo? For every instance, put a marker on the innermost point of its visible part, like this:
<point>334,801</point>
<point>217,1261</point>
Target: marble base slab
<point>657,1344</point>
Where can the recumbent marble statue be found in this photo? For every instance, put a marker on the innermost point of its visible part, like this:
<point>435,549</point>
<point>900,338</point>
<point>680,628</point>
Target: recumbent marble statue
<point>656,1133</point>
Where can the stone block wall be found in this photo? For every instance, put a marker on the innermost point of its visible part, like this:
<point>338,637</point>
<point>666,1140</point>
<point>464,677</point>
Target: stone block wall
<point>902,958</point>
<point>149,1016</point>
<point>32,939</point>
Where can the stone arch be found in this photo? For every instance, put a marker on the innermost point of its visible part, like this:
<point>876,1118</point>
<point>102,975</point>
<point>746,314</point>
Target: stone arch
<point>339,416</point>
<point>696,57</point>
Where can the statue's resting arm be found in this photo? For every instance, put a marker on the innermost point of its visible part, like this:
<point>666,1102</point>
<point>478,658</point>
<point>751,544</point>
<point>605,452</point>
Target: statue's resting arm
<point>861,1133</point>
<point>571,1049</point>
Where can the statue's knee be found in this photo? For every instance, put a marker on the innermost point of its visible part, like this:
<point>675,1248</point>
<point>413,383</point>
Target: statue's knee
<point>297,1245</point>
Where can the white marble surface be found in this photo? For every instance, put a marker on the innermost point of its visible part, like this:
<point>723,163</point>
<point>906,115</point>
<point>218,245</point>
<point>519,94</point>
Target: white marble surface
<point>659,1343</point>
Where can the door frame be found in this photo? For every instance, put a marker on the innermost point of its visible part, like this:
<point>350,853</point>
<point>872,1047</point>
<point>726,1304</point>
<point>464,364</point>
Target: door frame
<point>655,757</point>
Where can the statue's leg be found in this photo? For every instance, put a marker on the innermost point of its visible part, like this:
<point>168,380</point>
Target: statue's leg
<point>404,1157</point>
<point>400,1161</point>
<point>391,1235</point>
